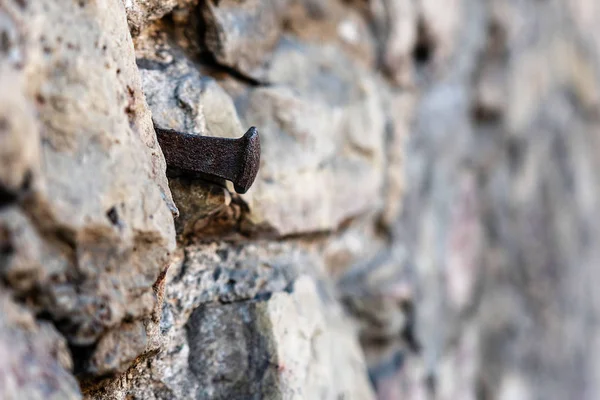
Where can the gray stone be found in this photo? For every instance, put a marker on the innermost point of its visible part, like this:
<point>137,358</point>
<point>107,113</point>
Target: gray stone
<point>118,348</point>
<point>183,99</point>
<point>291,345</point>
<point>220,273</point>
<point>232,355</point>
<point>35,361</point>
<point>241,35</point>
<point>85,220</point>
<point>323,132</point>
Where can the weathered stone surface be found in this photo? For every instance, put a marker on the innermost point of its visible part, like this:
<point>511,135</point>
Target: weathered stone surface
<point>341,118</point>
<point>180,97</point>
<point>356,244</point>
<point>317,352</point>
<point>245,322</point>
<point>478,284</point>
<point>118,347</point>
<point>87,249</point>
<point>140,13</point>
<point>35,362</point>
<point>241,35</point>
<point>231,352</point>
<point>322,131</point>
<point>20,150</point>
<point>85,222</point>
<point>323,121</point>
<point>221,273</point>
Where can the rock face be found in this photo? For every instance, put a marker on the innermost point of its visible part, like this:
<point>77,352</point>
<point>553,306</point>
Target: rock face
<point>85,225</point>
<point>35,358</point>
<point>249,321</point>
<point>422,225</point>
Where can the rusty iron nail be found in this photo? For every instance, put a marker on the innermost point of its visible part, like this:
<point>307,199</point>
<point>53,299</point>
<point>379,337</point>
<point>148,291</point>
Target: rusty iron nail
<point>236,160</point>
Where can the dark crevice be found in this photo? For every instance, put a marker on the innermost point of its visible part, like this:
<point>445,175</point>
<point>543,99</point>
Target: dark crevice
<point>81,356</point>
<point>308,235</point>
<point>422,53</point>
<point>290,287</point>
<point>209,61</point>
<point>223,254</point>
<point>266,296</point>
<point>217,273</point>
<point>207,58</point>
<point>192,176</point>
<point>491,61</point>
<point>5,42</point>
<point>259,297</point>
<point>383,229</point>
<point>186,39</point>
<point>341,227</point>
<point>153,65</point>
<point>409,332</point>
<point>22,3</point>
<point>113,216</point>
<point>424,47</point>
<point>7,197</point>
<point>485,115</point>
<point>6,249</point>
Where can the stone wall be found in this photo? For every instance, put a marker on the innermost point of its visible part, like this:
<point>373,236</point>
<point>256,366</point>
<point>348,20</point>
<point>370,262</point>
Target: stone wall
<point>422,224</point>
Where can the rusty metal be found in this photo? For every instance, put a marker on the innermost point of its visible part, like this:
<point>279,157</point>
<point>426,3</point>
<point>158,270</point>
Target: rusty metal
<point>236,160</point>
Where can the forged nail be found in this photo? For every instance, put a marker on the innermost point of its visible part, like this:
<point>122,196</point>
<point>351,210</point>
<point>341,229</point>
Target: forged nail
<point>236,160</point>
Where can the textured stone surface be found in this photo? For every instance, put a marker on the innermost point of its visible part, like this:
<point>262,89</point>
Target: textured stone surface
<point>85,225</point>
<point>104,229</point>
<point>464,257</point>
<point>140,13</point>
<point>246,322</point>
<point>241,35</point>
<point>180,97</point>
<point>327,113</point>
<point>35,360</point>
<point>331,115</point>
